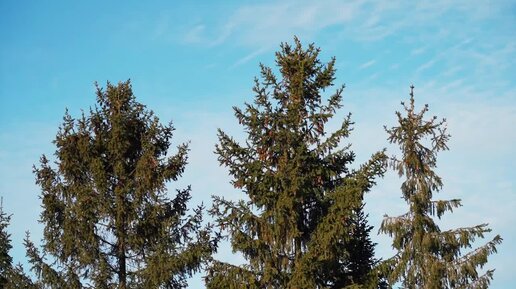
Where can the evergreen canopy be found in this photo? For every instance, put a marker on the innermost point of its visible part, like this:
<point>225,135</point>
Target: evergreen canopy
<point>428,257</point>
<point>302,225</point>
<point>109,222</point>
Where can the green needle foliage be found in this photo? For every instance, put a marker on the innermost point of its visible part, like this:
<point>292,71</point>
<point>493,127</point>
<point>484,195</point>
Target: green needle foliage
<point>109,222</point>
<point>303,225</point>
<point>426,256</point>
<point>10,276</point>
<point>5,246</point>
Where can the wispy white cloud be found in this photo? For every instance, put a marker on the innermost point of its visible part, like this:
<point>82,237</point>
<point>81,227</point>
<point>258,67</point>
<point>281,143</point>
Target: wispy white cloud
<point>161,27</point>
<point>270,23</point>
<point>248,57</point>
<point>195,34</point>
<point>394,66</point>
<point>427,65</point>
<point>418,51</point>
<point>367,64</point>
<point>444,55</point>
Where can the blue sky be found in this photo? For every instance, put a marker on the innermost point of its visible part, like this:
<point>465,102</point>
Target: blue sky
<point>192,61</point>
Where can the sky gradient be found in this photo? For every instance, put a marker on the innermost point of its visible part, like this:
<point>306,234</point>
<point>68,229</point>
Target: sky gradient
<point>191,62</point>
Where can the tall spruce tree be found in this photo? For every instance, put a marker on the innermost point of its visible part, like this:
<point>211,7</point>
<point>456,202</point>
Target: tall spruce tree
<point>302,225</point>
<point>428,257</point>
<point>109,222</point>
<point>10,276</point>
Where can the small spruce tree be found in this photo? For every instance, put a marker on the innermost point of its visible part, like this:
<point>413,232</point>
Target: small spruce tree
<point>302,225</point>
<point>10,276</point>
<point>109,222</point>
<point>5,246</point>
<point>428,257</point>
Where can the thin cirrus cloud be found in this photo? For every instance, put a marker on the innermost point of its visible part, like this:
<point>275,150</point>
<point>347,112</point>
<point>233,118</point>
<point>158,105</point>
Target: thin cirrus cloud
<point>260,27</point>
<point>195,34</point>
<point>270,23</point>
<point>273,22</point>
<point>367,64</point>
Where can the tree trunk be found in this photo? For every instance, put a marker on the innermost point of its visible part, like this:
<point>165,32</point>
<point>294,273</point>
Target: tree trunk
<point>121,238</point>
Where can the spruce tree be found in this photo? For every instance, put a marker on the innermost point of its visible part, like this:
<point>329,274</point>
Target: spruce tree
<point>5,246</point>
<point>10,276</point>
<point>428,257</point>
<point>108,219</point>
<point>301,225</point>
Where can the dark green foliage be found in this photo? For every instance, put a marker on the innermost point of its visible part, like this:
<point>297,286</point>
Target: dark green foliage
<point>109,222</point>
<point>5,246</point>
<point>11,277</point>
<point>426,256</point>
<point>303,225</point>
